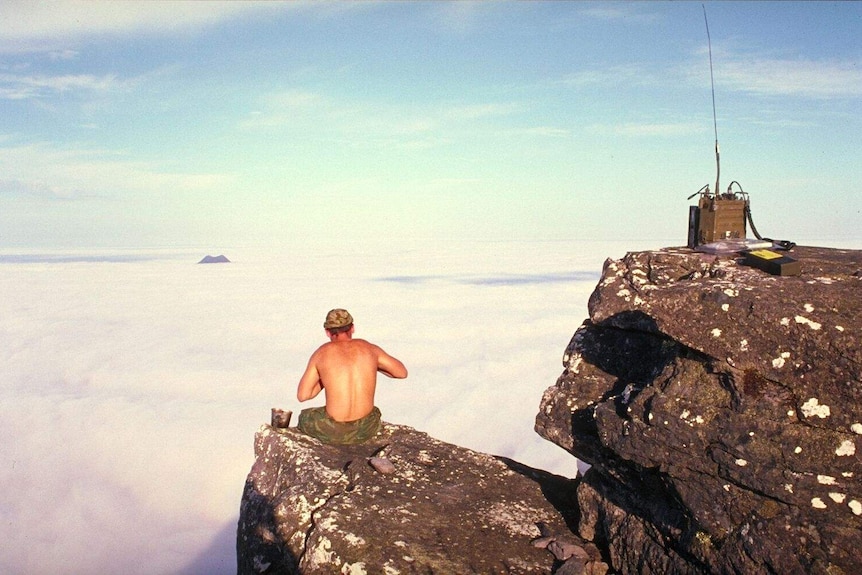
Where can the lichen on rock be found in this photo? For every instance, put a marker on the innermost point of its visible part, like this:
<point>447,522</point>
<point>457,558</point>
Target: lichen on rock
<point>314,508</point>
<point>719,412</point>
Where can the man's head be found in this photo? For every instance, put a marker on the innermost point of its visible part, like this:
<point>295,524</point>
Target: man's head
<point>338,321</point>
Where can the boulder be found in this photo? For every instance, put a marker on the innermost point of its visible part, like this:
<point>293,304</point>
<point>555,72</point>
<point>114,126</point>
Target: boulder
<point>719,409</point>
<point>402,503</point>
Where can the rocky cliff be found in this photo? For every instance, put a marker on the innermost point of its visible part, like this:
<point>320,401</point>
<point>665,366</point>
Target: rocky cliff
<point>403,503</point>
<point>719,407</point>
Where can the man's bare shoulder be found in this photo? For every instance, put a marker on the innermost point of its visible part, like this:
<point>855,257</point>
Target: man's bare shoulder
<point>321,351</point>
<point>322,347</point>
<point>336,346</point>
<point>367,345</point>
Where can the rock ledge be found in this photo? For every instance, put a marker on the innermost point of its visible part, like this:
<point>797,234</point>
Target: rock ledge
<point>404,503</point>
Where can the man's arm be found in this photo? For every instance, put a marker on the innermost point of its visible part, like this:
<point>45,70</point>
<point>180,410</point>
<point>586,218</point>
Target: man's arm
<point>388,365</point>
<point>309,384</point>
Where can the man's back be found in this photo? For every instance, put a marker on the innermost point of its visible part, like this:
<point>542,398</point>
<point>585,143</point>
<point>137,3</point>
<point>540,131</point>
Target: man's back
<point>348,372</point>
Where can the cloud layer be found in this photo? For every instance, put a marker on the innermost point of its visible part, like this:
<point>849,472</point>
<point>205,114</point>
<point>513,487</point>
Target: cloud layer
<point>136,380</point>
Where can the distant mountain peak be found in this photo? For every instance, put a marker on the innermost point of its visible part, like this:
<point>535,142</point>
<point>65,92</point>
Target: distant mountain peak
<point>214,260</point>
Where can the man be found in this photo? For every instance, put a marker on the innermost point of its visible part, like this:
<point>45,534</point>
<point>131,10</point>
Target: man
<point>346,370</point>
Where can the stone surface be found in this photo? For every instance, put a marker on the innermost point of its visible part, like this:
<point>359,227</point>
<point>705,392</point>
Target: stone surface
<point>719,407</point>
<point>429,507</point>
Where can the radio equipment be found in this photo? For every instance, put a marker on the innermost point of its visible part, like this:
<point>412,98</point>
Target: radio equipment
<point>718,221</point>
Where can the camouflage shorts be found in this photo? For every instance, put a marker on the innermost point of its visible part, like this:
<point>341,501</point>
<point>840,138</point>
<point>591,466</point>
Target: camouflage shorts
<point>317,423</point>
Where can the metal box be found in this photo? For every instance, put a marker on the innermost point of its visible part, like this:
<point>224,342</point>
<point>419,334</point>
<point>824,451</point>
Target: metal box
<point>719,219</point>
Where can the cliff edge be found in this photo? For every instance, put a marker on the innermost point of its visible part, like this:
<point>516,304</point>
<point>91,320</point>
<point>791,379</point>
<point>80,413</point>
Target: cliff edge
<point>403,503</point>
<point>719,407</point>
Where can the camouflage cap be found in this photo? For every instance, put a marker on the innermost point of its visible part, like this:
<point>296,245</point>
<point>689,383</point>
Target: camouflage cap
<point>337,318</point>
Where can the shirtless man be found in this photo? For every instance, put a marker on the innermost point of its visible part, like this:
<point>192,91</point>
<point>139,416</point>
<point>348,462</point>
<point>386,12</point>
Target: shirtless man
<point>346,370</point>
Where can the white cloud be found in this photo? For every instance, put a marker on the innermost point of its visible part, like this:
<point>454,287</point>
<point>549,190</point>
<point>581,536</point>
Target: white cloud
<point>648,129</point>
<point>19,87</point>
<point>460,17</point>
<point>547,131</point>
<point>748,73</point>
<point>61,55</point>
<point>823,79</point>
<point>770,75</point>
<point>38,189</point>
<point>620,75</point>
<point>372,123</point>
<point>628,12</point>
<point>38,26</point>
<point>43,170</point>
<point>477,111</point>
<point>293,99</point>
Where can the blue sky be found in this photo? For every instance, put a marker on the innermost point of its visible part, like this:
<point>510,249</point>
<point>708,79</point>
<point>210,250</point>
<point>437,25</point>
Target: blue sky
<point>139,124</point>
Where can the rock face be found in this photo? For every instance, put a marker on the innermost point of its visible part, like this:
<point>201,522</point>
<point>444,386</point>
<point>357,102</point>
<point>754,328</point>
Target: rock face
<point>719,407</point>
<point>403,503</point>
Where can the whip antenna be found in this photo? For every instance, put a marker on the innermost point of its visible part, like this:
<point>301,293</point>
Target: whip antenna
<point>712,86</point>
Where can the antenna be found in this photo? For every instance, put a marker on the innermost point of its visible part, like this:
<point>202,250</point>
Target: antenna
<point>712,85</point>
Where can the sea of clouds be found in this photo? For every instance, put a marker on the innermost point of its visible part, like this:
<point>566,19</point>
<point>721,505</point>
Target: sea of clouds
<point>133,381</point>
